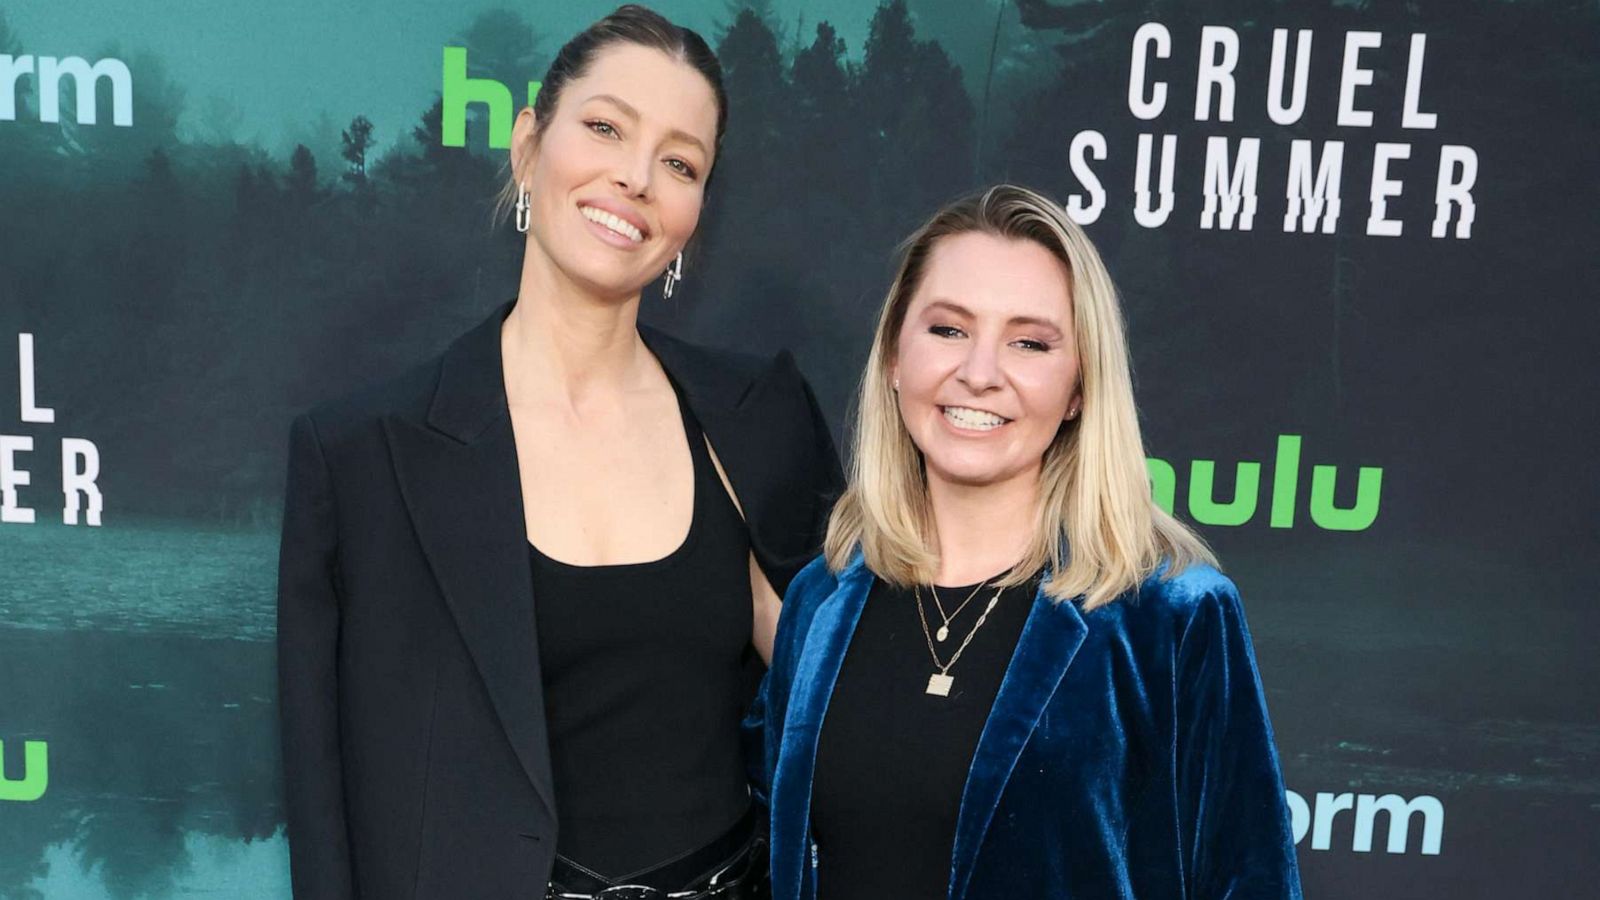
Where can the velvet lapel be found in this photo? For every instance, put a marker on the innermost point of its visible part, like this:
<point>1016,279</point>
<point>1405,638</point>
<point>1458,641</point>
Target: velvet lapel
<point>1050,638</point>
<point>820,657</point>
<point>458,475</point>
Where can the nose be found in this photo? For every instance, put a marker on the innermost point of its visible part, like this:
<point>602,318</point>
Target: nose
<point>980,368</point>
<point>634,173</point>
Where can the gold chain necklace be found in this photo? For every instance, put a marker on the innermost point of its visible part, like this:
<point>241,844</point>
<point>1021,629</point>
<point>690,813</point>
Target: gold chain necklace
<point>944,628</point>
<point>940,682</point>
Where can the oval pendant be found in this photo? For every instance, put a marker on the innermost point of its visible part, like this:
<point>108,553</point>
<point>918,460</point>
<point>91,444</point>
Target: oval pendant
<point>942,633</point>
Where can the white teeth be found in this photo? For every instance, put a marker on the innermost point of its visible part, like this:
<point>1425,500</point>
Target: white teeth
<point>620,226</point>
<point>974,419</point>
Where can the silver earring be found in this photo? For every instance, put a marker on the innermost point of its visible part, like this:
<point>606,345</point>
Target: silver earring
<point>523,204</point>
<point>674,275</point>
<point>897,385</point>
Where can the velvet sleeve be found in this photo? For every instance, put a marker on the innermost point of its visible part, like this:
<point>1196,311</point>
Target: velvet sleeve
<point>308,696</point>
<point>1234,822</point>
<point>762,729</point>
<point>753,736</point>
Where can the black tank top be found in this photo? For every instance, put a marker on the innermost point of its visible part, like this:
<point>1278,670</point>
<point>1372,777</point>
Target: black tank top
<point>645,681</point>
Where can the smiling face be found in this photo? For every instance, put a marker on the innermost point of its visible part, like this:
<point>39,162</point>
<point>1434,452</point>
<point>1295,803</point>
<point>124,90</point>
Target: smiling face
<point>617,175</point>
<point>986,362</point>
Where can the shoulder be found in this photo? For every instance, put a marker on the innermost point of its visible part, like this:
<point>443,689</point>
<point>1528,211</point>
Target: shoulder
<point>702,360</point>
<point>1169,602</point>
<point>729,377</point>
<point>350,417</point>
<point>813,584</point>
<point>1188,590</point>
<point>463,383</point>
<point>1198,606</point>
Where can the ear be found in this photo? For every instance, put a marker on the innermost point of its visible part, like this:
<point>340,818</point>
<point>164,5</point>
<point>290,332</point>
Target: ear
<point>524,147</point>
<point>1074,405</point>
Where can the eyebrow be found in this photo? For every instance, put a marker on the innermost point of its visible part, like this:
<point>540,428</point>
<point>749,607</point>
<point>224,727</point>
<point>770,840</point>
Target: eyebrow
<point>960,310</point>
<point>629,111</point>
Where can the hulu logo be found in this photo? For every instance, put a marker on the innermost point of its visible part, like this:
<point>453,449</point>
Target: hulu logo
<point>459,91</point>
<point>35,773</point>
<point>1205,508</point>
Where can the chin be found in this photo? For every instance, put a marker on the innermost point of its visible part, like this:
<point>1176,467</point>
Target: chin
<point>604,278</point>
<point>969,473</point>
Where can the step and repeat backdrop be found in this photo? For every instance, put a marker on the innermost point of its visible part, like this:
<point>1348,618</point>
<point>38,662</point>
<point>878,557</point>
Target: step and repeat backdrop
<point>1356,239</point>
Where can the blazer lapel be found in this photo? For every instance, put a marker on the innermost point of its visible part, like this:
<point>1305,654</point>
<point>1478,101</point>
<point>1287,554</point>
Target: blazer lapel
<point>1050,639</point>
<point>816,672</point>
<point>459,479</point>
<point>767,442</point>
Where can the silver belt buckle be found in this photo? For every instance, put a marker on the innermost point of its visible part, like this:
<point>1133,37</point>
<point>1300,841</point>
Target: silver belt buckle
<point>629,892</point>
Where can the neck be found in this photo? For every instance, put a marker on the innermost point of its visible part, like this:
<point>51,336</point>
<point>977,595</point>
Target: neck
<point>562,340</point>
<point>983,529</point>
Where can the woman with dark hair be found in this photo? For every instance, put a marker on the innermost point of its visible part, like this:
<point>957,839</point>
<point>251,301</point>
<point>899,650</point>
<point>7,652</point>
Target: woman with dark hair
<point>523,587</point>
<point>1011,673</point>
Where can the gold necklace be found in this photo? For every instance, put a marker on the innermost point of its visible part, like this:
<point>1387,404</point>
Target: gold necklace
<point>940,682</point>
<point>944,629</point>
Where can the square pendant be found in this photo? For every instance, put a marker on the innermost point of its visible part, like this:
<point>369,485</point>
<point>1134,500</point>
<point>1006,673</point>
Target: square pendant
<point>939,685</point>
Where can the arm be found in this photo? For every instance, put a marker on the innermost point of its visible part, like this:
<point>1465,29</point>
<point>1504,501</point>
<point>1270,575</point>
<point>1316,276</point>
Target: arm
<point>764,600</point>
<point>308,697</point>
<point>1235,832</point>
<point>764,623</point>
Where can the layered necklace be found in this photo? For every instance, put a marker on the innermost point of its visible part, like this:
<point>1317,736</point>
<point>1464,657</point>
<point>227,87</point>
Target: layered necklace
<point>940,682</point>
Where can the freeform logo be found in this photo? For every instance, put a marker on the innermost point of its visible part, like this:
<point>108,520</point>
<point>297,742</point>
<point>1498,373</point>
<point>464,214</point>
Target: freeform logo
<point>1207,510</point>
<point>35,778</point>
<point>80,458</point>
<point>458,91</point>
<point>1321,819</point>
<point>85,76</point>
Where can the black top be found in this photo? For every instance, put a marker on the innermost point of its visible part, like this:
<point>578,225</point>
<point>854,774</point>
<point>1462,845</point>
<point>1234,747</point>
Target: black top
<point>644,688</point>
<point>892,760</point>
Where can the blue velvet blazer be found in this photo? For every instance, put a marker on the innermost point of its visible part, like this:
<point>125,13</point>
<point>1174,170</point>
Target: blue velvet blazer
<point>1128,753</point>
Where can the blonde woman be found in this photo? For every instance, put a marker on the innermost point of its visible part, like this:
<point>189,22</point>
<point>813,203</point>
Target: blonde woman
<point>1011,675</point>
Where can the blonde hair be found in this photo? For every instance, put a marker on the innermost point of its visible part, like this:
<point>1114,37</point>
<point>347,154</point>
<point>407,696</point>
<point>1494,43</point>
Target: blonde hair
<point>1097,529</point>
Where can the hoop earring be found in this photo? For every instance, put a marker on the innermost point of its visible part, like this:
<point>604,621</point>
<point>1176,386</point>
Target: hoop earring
<point>523,205</point>
<point>674,275</point>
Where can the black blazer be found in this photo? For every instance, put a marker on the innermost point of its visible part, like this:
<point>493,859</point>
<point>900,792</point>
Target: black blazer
<point>415,752</point>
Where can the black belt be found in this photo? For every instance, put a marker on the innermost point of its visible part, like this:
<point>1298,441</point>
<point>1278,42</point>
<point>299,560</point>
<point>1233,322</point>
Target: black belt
<point>732,867</point>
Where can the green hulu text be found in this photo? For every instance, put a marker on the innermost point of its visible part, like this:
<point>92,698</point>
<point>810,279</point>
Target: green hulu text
<point>1206,509</point>
<point>458,91</point>
<point>35,777</point>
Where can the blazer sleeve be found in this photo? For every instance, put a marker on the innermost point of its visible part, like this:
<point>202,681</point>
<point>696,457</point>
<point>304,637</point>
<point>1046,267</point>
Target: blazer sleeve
<point>791,521</point>
<point>753,735</point>
<point>762,729</point>
<point>1237,842</point>
<point>308,696</point>
<point>828,478</point>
